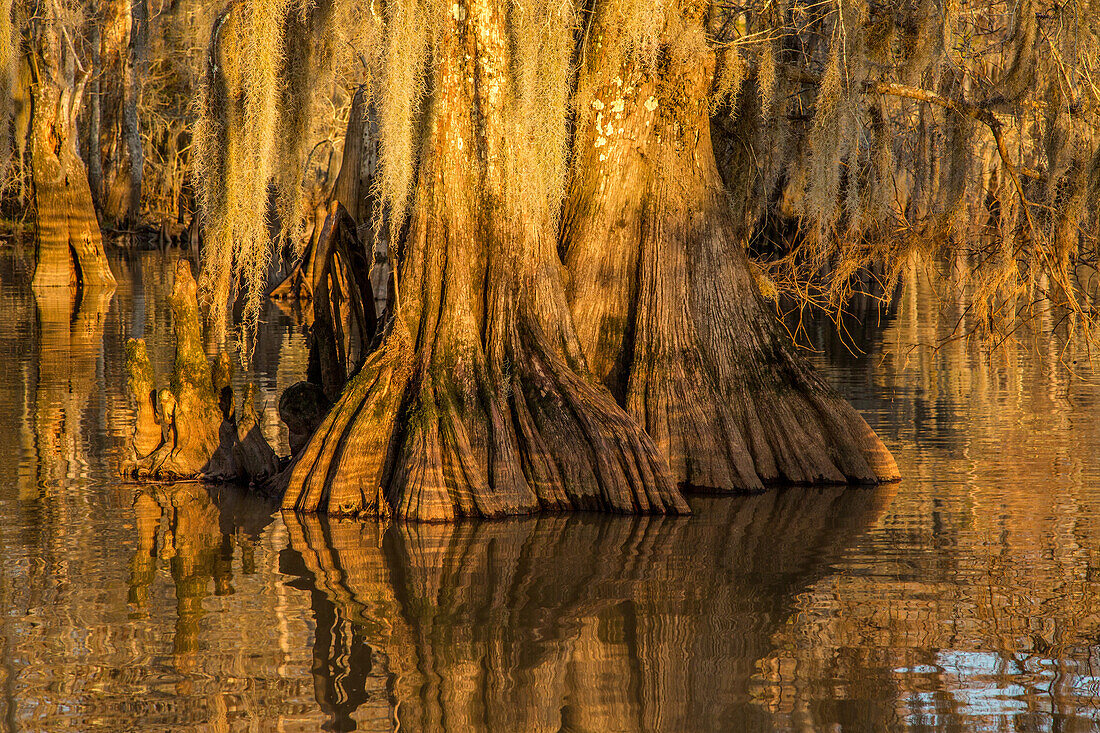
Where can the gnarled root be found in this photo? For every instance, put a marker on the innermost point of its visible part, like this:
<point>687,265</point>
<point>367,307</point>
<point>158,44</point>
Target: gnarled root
<point>584,451</point>
<point>191,430</point>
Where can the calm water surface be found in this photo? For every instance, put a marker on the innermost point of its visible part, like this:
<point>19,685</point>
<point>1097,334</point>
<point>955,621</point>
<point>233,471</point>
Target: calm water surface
<point>967,597</point>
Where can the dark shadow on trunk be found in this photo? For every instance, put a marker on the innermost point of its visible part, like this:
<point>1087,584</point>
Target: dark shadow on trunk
<point>332,282</point>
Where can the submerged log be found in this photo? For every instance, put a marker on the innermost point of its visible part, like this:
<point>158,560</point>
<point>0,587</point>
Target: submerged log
<point>201,435</point>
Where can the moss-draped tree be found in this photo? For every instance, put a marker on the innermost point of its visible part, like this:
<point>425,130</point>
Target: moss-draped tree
<point>661,291</point>
<point>574,320</point>
<point>477,402</point>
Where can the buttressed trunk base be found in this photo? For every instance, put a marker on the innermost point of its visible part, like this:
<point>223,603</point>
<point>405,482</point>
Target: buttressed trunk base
<point>69,243</point>
<point>470,407</point>
<point>662,295</point>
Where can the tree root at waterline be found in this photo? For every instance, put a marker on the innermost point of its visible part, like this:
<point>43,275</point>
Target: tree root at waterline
<point>432,441</point>
<point>191,429</point>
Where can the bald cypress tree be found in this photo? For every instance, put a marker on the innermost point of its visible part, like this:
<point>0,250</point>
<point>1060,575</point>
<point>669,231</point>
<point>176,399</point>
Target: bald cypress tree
<point>678,330</point>
<point>477,401</point>
<point>54,76</point>
<point>571,193</point>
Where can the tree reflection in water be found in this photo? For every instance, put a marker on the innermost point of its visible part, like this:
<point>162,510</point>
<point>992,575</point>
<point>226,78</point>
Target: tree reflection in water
<point>580,622</point>
<point>70,345</point>
<point>196,530</point>
<point>970,601</point>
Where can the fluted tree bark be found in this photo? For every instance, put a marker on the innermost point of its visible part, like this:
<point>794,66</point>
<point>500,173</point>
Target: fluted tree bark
<point>494,391</point>
<point>662,295</point>
<point>478,402</point>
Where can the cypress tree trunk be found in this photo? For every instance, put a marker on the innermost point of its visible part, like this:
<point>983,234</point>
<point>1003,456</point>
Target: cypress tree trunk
<point>470,408</point>
<point>663,298</point>
<point>202,433</point>
<point>118,126</point>
<point>94,119</point>
<point>69,243</point>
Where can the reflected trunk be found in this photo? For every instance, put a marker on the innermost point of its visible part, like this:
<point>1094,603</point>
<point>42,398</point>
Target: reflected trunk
<point>579,622</point>
<point>197,531</point>
<point>70,345</point>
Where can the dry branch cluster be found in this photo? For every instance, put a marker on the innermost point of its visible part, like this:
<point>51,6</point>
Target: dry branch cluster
<point>966,131</point>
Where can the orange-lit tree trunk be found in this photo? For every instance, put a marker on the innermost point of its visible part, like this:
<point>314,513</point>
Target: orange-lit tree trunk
<point>69,243</point>
<point>662,295</point>
<point>477,404</point>
<point>192,428</point>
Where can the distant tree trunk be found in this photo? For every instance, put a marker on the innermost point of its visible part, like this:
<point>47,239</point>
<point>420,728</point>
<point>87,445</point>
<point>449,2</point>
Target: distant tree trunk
<point>474,406</point>
<point>354,189</point>
<point>664,301</point>
<point>118,109</point>
<point>95,120</point>
<point>131,119</point>
<point>359,160</point>
<point>69,243</point>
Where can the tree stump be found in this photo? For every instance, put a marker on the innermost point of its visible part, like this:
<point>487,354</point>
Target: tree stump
<point>201,435</point>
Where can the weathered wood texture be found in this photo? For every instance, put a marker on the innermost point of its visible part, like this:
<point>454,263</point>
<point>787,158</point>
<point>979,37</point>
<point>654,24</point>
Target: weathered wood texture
<point>202,434</point>
<point>332,280</point>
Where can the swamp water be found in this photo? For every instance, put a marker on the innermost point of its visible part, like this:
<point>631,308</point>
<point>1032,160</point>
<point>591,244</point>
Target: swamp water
<point>966,597</point>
